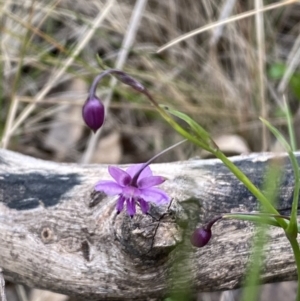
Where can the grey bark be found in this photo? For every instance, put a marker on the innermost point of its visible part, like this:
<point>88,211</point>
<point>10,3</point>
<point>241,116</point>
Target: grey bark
<point>2,287</point>
<point>57,233</point>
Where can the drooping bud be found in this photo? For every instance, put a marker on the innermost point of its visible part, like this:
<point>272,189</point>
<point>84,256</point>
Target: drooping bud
<point>201,236</point>
<point>93,113</point>
<point>128,80</point>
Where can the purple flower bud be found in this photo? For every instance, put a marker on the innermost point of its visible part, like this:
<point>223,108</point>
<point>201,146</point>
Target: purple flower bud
<point>201,237</point>
<point>93,113</point>
<point>130,81</point>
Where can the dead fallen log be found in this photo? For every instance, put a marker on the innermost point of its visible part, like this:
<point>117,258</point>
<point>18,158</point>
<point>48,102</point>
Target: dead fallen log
<point>56,233</point>
<point>2,285</point>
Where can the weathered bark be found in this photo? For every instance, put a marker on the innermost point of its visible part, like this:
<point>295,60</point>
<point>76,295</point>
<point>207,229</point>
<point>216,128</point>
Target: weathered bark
<point>2,285</point>
<point>56,233</point>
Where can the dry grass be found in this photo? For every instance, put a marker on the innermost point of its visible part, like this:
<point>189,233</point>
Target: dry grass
<point>217,73</point>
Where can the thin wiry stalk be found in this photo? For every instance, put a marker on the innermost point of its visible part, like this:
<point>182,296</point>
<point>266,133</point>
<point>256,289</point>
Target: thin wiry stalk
<point>260,39</point>
<point>14,99</point>
<point>226,11</point>
<point>42,52</point>
<point>292,63</point>
<point>125,48</point>
<point>3,9</point>
<point>86,36</point>
<point>218,23</point>
<point>76,100</point>
<point>204,86</point>
<point>34,29</point>
<point>296,250</point>
<point>290,125</point>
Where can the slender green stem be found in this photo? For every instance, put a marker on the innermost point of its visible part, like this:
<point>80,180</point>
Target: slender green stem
<point>130,81</point>
<point>232,167</point>
<point>207,143</point>
<point>296,251</point>
<point>175,125</point>
<point>293,226</point>
<point>260,218</point>
<point>196,128</point>
<point>252,188</point>
<point>288,115</point>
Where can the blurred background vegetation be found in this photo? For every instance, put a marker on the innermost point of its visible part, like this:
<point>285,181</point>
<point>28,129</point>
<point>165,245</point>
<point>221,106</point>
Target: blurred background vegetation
<point>225,77</point>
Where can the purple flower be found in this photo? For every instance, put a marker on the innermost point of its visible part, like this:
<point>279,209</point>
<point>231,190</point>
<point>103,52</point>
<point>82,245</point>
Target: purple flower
<point>135,185</point>
<point>93,113</point>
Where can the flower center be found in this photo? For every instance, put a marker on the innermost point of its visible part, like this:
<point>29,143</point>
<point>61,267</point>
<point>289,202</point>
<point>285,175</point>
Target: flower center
<point>130,192</point>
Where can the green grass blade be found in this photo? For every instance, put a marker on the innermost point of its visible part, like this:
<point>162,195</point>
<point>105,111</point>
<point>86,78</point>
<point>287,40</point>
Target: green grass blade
<point>250,292</point>
<point>255,218</point>
<point>288,115</point>
<point>292,229</point>
<point>197,129</point>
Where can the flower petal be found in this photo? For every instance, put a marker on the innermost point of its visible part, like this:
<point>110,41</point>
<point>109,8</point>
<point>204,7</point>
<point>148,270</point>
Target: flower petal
<point>133,169</point>
<point>108,187</point>
<point>120,176</point>
<point>154,195</point>
<point>150,181</point>
<point>131,210</point>
<point>144,206</point>
<point>120,204</point>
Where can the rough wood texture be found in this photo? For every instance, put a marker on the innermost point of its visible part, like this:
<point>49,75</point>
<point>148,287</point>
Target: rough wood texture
<point>2,287</point>
<point>57,234</point>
